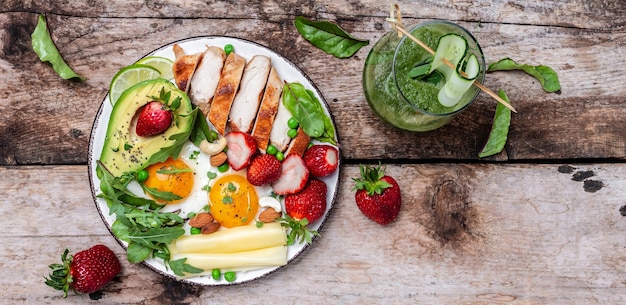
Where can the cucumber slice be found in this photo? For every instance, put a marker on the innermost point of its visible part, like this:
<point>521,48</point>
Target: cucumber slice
<point>451,47</point>
<point>456,84</point>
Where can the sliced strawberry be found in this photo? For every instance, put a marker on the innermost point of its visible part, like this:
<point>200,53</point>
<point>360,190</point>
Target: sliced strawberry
<point>293,177</point>
<point>321,160</point>
<point>310,203</point>
<point>154,118</point>
<point>264,169</point>
<point>241,147</point>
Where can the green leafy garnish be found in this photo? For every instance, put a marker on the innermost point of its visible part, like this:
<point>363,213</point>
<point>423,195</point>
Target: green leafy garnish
<point>499,130</point>
<point>308,111</point>
<point>179,267</point>
<point>201,130</point>
<point>48,52</point>
<point>145,228</point>
<point>155,193</point>
<point>298,230</point>
<point>544,74</point>
<point>173,170</point>
<point>329,37</point>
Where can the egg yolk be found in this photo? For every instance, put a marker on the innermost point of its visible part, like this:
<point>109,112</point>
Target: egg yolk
<point>233,200</point>
<point>171,176</point>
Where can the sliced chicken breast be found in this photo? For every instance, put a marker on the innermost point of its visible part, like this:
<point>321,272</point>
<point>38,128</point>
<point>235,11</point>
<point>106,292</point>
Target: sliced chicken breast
<point>299,144</point>
<point>205,78</point>
<point>184,67</point>
<point>246,104</point>
<point>225,92</point>
<point>278,135</point>
<point>267,110</point>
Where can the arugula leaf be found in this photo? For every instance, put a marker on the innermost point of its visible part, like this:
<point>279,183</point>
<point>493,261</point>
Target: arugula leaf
<point>499,130</point>
<point>544,74</point>
<point>329,37</point>
<point>137,253</point>
<point>201,130</point>
<point>179,267</point>
<point>48,52</point>
<point>155,193</point>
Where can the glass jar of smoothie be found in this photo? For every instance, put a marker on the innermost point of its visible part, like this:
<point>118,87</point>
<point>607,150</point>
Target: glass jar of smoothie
<point>411,103</point>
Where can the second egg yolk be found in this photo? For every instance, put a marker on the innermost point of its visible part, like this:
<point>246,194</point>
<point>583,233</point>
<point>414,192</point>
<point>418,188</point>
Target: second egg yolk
<point>234,201</point>
<point>171,176</point>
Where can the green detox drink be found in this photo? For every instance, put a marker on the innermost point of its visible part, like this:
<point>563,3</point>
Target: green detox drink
<point>412,103</point>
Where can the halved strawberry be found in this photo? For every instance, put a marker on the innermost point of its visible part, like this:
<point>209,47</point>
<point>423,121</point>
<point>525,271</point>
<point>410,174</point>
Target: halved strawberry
<point>154,118</point>
<point>310,203</point>
<point>241,147</point>
<point>321,160</point>
<point>264,169</point>
<point>293,177</point>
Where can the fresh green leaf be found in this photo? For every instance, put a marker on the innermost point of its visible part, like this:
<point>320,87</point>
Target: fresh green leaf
<point>174,171</point>
<point>155,193</point>
<point>137,253</point>
<point>48,52</point>
<point>329,130</point>
<point>162,235</point>
<point>329,37</point>
<point>304,109</point>
<point>179,267</point>
<point>544,74</point>
<point>499,130</point>
<point>201,130</point>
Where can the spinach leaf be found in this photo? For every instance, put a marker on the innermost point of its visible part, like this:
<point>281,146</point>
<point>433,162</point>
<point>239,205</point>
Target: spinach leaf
<point>544,74</point>
<point>329,130</point>
<point>304,109</point>
<point>47,50</point>
<point>329,37</point>
<point>499,129</point>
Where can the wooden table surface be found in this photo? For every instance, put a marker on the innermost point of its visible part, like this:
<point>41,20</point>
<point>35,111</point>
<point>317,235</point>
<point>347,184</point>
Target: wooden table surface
<point>539,223</point>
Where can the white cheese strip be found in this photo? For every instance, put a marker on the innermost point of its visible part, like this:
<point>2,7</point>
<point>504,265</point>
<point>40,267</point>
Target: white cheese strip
<point>267,257</point>
<point>237,239</point>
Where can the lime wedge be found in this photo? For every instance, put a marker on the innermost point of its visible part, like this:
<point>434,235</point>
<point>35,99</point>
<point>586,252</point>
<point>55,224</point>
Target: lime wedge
<point>129,76</point>
<point>164,65</point>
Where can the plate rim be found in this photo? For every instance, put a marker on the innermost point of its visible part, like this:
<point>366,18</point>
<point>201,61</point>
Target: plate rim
<point>91,163</point>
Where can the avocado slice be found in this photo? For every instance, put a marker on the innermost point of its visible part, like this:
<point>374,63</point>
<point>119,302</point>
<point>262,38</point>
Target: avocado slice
<point>125,151</point>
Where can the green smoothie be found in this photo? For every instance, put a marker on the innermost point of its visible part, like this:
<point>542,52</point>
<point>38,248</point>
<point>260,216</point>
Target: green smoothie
<point>411,103</point>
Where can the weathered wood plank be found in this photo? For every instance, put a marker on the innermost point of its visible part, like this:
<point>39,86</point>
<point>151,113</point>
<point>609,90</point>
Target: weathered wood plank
<point>466,234</point>
<point>38,107</point>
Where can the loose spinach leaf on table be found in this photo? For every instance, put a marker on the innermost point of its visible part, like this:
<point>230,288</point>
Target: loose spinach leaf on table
<point>544,74</point>
<point>499,130</point>
<point>47,50</point>
<point>329,37</point>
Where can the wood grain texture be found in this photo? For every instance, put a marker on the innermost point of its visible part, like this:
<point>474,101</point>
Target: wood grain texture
<point>582,41</point>
<point>466,234</point>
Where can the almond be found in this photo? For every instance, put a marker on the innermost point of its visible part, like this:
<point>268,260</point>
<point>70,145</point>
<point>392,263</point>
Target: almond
<point>201,220</point>
<point>210,227</point>
<point>219,159</point>
<point>269,215</point>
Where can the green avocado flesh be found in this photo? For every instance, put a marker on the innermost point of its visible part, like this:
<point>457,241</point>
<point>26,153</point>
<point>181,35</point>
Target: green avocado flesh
<point>125,151</point>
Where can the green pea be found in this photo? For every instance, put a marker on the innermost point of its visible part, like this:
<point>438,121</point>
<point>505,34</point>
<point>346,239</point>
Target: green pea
<point>214,135</point>
<point>271,150</point>
<point>292,133</point>
<point>223,168</point>
<point>280,156</point>
<point>142,175</point>
<point>293,123</point>
<point>230,276</point>
<point>194,231</point>
<point>228,49</point>
<point>216,274</point>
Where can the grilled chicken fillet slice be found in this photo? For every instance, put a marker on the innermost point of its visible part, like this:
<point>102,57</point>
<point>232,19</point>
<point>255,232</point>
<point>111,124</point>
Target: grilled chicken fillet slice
<point>278,135</point>
<point>267,110</point>
<point>246,104</point>
<point>205,78</point>
<point>225,92</point>
<point>184,67</point>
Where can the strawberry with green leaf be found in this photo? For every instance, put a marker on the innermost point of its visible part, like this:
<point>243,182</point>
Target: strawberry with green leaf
<point>86,271</point>
<point>377,195</point>
<point>156,117</point>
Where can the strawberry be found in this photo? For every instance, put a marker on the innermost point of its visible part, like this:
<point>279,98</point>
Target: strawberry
<point>310,203</point>
<point>377,196</point>
<point>86,271</point>
<point>264,169</point>
<point>154,118</point>
<point>241,147</point>
<point>293,177</point>
<point>321,160</point>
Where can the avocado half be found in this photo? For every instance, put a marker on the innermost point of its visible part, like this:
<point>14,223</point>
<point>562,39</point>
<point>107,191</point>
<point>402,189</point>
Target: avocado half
<point>125,151</point>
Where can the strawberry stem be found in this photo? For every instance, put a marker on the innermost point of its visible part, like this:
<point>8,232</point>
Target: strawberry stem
<point>370,180</point>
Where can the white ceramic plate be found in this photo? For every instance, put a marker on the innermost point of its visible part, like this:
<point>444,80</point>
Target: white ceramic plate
<point>287,71</point>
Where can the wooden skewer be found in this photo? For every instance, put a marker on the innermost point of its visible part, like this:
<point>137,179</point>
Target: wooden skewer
<point>448,63</point>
